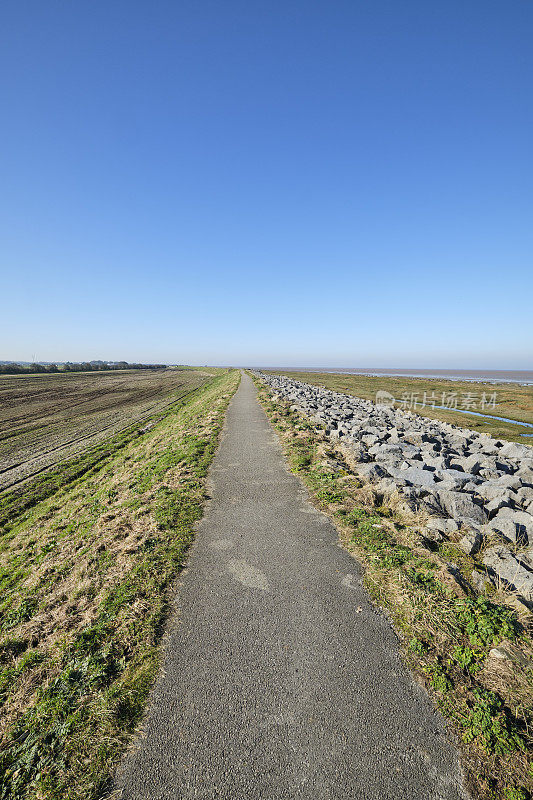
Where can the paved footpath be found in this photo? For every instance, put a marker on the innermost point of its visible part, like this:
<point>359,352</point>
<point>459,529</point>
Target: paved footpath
<point>281,681</point>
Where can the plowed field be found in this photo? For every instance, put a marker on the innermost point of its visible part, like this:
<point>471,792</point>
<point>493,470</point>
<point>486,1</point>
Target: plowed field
<point>49,418</point>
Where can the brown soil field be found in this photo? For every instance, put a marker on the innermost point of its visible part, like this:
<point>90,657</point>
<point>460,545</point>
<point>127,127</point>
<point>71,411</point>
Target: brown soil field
<point>45,419</point>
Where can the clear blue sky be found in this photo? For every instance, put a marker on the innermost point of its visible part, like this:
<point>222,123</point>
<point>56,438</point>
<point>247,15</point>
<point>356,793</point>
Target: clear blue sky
<point>307,183</point>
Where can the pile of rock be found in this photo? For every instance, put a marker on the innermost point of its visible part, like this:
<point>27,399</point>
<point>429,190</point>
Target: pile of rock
<point>467,481</point>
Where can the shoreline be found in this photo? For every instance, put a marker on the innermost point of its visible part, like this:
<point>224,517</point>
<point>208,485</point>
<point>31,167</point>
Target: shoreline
<point>519,377</point>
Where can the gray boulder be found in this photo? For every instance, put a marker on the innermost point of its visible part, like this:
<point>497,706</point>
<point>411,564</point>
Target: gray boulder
<point>471,487</point>
<point>490,490</point>
<point>393,435</point>
<point>456,479</point>
<point>504,501</point>
<point>511,450</point>
<point>371,472</point>
<point>396,473</point>
<point>416,438</point>
<point>509,482</point>
<point>458,504</point>
<point>517,526</point>
<point>506,568</point>
<point>410,451</point>
<point>442,525</point>
<point>469,524</point>
<point>489,473</point>
<point>525,473</point>
<point>471,463</point>
<point>418,477</point>
<point>525,557</point>
<point>505,465</point>
<point>435,462</point>
<point>524,495</point>
<point>383,452</point>
<point>471,542</point>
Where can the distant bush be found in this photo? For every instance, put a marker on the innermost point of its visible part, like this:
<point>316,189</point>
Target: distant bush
<point>86,366</point>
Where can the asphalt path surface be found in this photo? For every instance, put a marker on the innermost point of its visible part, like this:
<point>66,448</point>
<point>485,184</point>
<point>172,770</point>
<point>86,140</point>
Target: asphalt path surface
<point>280,678</point>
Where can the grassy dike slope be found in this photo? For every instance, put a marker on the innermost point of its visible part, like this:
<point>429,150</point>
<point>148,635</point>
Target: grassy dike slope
<point>447,632</point>
<point>86,581</point>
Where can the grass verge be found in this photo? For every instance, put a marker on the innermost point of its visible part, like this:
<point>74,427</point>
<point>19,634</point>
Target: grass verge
<point>447,632</point>
<point>86,579</point>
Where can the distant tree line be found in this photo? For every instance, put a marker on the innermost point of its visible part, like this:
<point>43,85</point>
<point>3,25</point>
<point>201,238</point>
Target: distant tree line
<point>85,366</point>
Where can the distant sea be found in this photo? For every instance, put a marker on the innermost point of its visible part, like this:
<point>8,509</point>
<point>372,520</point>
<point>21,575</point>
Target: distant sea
<point>479,375</point>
